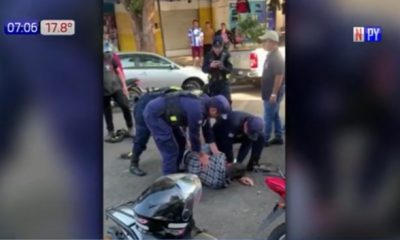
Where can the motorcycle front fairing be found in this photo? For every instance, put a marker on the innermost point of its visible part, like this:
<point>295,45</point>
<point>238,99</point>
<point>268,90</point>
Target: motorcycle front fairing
<point>124,217</point>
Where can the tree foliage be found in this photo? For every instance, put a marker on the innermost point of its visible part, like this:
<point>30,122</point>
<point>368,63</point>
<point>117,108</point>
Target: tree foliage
<point>136,6</point>
<point>250,27</point>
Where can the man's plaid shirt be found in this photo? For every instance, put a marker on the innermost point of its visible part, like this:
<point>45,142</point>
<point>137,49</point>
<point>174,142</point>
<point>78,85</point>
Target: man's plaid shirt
<point>214,175</point>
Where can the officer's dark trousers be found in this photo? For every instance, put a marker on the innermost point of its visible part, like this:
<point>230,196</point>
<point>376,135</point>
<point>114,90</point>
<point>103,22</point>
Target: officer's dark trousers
<point>256,148</point>
<point>220,88</point>
<point>170,141</point>
<point>122,101</point>
<point>142,131</point>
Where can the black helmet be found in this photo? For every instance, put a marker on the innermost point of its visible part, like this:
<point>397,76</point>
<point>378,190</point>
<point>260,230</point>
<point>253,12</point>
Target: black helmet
<point>165,209</point>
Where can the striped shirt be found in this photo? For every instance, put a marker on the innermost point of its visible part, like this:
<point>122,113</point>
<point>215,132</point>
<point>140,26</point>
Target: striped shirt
<point>195,36</point>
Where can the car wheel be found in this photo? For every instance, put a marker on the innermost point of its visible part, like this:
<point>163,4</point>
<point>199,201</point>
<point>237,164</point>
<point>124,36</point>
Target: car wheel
<point>192,84</point>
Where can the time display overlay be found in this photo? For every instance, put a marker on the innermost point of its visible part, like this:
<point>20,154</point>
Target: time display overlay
<point>26,27</point>
<point>57,27</point>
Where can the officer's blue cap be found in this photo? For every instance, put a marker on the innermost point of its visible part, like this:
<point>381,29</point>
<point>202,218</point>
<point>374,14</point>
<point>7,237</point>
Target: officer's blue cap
<point>222,104</point>
<point>255,127</point>
<point>218,41</point>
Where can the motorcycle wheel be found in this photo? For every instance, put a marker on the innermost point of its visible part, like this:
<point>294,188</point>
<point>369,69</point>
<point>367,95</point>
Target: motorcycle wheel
<point>279,233</point>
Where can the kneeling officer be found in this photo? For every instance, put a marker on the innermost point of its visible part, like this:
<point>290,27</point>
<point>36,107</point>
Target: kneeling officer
<point>187,110</point>
<point>142,131</point>
<point>244,128</point>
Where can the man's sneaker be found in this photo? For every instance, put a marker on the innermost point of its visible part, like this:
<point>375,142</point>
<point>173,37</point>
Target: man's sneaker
<point>276,141</point>
<point>127,155</point>
<point>135,170</point>
<point>266,144</point>
<point>110,136</point>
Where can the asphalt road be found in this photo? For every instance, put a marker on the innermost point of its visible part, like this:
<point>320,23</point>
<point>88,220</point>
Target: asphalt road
<point>235,212</point>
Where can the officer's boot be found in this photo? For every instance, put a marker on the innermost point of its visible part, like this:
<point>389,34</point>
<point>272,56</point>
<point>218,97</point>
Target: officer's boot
<point>134,167</point>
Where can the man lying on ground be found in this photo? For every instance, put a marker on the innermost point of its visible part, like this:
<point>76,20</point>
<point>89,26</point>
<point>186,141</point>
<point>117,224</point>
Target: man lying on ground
<point>218,173</point>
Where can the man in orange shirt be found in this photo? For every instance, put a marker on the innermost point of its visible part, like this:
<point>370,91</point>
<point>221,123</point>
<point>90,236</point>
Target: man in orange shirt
<point>208,38</point>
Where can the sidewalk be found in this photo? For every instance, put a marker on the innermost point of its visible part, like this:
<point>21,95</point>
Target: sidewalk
<point>187,60</point>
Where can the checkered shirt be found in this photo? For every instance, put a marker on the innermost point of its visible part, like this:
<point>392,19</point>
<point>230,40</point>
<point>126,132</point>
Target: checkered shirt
<point>214,176</point>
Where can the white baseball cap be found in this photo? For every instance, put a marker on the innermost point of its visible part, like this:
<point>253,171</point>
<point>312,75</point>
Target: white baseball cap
<point>270,35</point>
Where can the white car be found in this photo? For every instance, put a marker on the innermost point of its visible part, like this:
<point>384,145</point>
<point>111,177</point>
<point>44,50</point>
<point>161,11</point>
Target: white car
<point>155,71</point>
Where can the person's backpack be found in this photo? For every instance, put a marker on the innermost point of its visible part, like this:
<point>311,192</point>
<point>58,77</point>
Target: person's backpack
<point>173,111</point>
<point>111,82</point>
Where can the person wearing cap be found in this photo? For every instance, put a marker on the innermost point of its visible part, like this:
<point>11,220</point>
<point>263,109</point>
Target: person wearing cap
<point>272,87</point>
<point>183,109</point>
<point>240,127</point>
<point>142,131</point>
<point>114,88</point>
<point>218,66</point>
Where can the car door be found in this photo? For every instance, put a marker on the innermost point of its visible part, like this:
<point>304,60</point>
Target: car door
<point>130,65</point>
<point>158,72</point>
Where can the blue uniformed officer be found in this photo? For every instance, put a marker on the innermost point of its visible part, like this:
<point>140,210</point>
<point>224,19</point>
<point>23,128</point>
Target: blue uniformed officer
<point>244,128</point>
<point>183,109</point>
<point>217,65</point>
<point>142,131</point>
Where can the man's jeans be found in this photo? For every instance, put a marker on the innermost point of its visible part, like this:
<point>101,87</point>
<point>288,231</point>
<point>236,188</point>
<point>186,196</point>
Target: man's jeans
<point>271,117</point>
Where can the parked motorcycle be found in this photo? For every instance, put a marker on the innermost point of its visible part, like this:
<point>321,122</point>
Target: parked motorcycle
<point>278,185</point>
<point>134,90</point>
<point>163,211</point>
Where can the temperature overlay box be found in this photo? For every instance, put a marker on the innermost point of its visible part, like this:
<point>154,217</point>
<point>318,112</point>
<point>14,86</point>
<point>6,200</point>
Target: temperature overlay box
<point>50,27</point>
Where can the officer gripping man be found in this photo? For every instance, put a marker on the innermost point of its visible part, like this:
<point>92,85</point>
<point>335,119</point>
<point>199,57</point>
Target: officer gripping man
<point>244,128</point>
<point>217,65</point>
<point>142,131</point>
<point>188,110</point>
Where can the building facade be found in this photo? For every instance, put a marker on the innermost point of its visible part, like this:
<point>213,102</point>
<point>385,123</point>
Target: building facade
<point>175,18</point>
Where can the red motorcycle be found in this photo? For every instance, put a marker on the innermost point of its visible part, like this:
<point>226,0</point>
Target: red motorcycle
<point>278,185</point>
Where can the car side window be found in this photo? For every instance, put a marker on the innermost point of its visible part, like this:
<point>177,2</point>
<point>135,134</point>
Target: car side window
<point>150,61</point>
<point>128,62</point>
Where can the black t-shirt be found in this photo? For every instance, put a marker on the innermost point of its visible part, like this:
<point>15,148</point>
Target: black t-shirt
<point>111,82</point>
<point>274,65</point>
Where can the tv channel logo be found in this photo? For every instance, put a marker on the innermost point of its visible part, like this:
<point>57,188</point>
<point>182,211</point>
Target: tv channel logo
<point>367,34</point>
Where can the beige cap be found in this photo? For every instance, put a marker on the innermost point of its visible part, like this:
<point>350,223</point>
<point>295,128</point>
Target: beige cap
<point>270,35</point>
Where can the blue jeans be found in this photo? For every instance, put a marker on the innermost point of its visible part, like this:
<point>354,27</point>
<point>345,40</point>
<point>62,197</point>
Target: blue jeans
<point>272,118</point>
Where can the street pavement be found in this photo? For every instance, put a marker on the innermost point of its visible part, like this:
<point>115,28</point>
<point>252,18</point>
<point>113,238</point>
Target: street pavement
<point>231,213</point>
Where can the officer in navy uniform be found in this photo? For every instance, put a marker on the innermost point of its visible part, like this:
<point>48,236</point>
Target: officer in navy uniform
<point>187,110</point>
<point>142,131</point>
<point>217,65</point>
<point>244,128</point>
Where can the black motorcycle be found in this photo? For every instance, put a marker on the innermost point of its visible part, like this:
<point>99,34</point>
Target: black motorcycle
<point>163,211</point>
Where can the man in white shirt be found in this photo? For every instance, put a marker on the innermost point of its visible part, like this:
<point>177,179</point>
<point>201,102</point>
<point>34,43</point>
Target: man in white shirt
<point>195,36</point>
